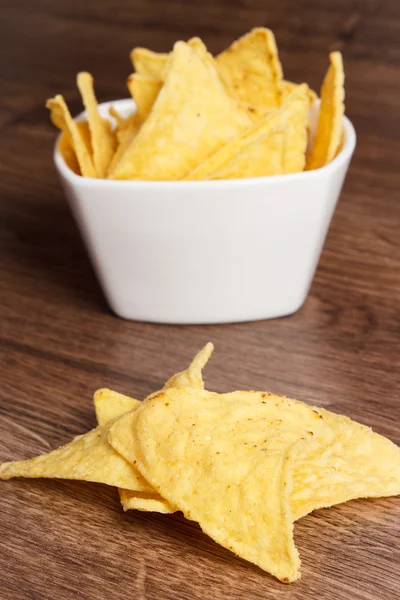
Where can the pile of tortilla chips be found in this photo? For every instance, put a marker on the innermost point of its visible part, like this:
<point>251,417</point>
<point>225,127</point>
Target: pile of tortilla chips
<point>203,117</point>
<point>244,465</point>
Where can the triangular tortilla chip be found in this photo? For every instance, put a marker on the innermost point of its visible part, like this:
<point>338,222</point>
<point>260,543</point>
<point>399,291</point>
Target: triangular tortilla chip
<point>251,68</point>
<point>274,146</point>
<point>125,131</point>
<point>348,461</point>
<point>192,117</point>
<point>287,87</point>
<point>154,64</point>
<point>205,453</point>
<point>88,457</point>
<point>329,128</point>
<point>109,405</point>
<point>61,118</point>
<point>66,149</point>
<point>102,137</point>
<point>223,469</point>
<point>144,89</point>
<point>261,156</point>
<point>192,376</point>
<point>147,62</point>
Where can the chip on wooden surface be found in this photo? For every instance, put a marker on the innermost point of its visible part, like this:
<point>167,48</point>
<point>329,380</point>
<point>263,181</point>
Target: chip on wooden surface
<point>221,460</point>
<point>192,377</point>
<point>329,129</point>
<point>144,89</point>
<point>275,145</point>
<point>347,461</point>
<point>61,118</point>
<point>205,453</point>
<point>252,70</point>
<point>88,457</point>
<point>103,140</point>
<point>145,502</point>
<point>109,405</point>
<point>192,117</point>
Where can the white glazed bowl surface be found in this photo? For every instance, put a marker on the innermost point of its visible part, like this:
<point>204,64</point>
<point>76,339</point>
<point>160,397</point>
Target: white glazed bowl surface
<point>206,251</point>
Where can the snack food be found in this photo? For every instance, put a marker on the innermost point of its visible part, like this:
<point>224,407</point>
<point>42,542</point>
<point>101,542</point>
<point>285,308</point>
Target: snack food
<point>193,109</point>
<point>245,465</point>
<point>273,146</point>
<point>192,117</point>
<point>329,129</point>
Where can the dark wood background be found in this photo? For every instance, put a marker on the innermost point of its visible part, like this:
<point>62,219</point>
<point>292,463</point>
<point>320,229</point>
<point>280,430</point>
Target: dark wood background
<point>64,540</point>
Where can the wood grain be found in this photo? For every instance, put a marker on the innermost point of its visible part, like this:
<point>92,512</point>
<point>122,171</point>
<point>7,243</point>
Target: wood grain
<point>65,540</point>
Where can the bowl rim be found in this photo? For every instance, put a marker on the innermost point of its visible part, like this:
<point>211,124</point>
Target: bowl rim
<point>342,157</point>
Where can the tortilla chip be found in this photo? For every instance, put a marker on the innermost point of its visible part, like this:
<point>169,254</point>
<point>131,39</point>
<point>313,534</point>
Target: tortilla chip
<point>329,128</point>
<point>66,149</point>
<point>274,146</point>
<point>147,62</point>
<point>154,64</point>
<point>125,131</point>
<point>88,457</point>
<point>109,405</point>
<point>347,461</point>
<point>251,69</point>
<point>252,157</point>
<point>287,87</point>
<point>145,502</point>
<point>192,117</point>
<point>61,118</point>
<point>192,376</point>
<point>197,447</point>
<point>144,90</point>
<point>102,137</point>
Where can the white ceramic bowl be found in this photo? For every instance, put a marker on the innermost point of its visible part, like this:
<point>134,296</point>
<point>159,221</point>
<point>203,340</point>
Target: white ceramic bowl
<point>206,251</point>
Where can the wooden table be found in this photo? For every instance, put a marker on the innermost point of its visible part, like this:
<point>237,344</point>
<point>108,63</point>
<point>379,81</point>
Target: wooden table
<point>67,540</point>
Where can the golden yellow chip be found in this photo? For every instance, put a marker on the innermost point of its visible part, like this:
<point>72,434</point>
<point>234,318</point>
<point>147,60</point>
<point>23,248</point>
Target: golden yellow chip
<point>347,461</point>
<point>195,446</point>
<point>144,90</point>
<point>256,155</point>
<point>109,405</point>
<point>125,131</point>
<point>103,140</point>
<point>329,129</point>
<point>147,62</point>
<point>62,119</point>
<point>192,117</point>
<point>287,87</point>
<point>192,376</point>
<point>66,149</point>
<point>154,64</point>
<point>223,469</point>
<point>274,146</point>
<point>145,502</point>
<point>88,457</point>
<point>251,68</point>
